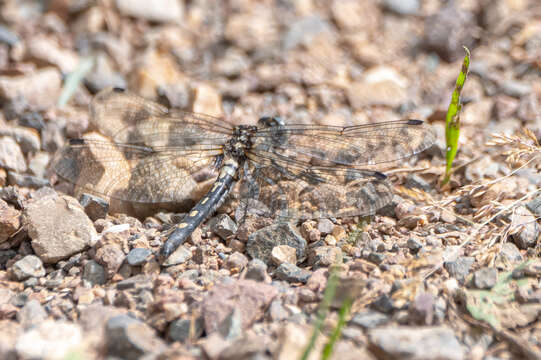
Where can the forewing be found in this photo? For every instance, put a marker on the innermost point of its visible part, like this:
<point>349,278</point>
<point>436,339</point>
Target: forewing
<point>130,119</point>
<point>135,173</point>
<point>354,146</point>
<point>313,192</point>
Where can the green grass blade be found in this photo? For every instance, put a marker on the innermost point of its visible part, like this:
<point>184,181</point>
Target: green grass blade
<point>452,120</point>
<point>342,319</point>
<point>73,80</point>
<point>323,309</point>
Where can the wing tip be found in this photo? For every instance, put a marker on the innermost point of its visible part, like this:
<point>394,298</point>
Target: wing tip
<point>74,142</point>
<point>379,175</point>
<point>415,122</point>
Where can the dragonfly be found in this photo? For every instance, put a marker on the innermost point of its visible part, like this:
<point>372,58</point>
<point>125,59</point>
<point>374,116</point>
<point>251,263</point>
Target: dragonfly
<point>147,153</point>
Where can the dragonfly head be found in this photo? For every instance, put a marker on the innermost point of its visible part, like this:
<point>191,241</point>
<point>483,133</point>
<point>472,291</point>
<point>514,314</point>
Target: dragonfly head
<point>270,121</point>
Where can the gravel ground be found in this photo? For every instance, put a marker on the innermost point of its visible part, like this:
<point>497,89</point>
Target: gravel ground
<point>446,272</point>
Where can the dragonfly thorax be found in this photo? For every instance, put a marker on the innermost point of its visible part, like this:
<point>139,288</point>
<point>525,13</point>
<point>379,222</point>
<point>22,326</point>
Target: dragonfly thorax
<point>240,141</point>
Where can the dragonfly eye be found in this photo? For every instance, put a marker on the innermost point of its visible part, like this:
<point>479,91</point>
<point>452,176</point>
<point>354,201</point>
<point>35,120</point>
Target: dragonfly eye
<point>270,121</point>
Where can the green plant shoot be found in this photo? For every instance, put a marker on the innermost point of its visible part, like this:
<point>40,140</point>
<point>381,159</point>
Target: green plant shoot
<point>74,79</point>
<point>323,309</point>
<point>452,119</point>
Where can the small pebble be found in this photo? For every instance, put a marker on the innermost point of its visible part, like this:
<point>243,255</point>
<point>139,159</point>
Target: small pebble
<point>292,273</point>
<point>29,266</point>
<point>138,256</point>
<point>485,278</point>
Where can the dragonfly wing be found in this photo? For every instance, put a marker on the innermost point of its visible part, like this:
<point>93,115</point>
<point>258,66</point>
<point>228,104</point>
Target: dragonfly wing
<point>135,173</point>
<point>130,119</point>
<point>354,146</point>
<point>314,192</point>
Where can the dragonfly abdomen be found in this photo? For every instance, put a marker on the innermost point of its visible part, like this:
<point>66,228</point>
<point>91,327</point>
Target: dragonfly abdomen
<point>203,208</point>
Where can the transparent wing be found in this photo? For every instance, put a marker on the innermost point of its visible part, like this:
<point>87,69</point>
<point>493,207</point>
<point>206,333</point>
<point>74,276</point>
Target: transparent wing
<point>354,146</point>
<point>148,154</point>
<point>130,119</point>
<point>136,173</point>
<point>301,192</point>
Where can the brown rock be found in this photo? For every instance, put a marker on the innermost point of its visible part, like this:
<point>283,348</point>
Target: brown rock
<point>58,227</point>
<point>48,51</point>
<point>324,256</point>
<point>379,86</point>
<point>9,221</point>
<point>207,100</point>
<point>111,257</point>
<point>40,89</point>
<point>283,253</point>
<point>250,297</point>
<point>11,157</point>
<point>358,16</point>
<point>529,231</point>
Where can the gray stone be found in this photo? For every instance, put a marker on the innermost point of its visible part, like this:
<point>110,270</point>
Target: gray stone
<point>231,327</point>
<point>459,268</point>
<point>11,156</point>
<point>422,309</point>
<point>179,256</point>
<point>94,273</point>
<point>383,304</point>
<point>138,256</point>
<point>7,36</point>
<point>129,338</point>
<point>95,207</point>
<point>29,181</point>
<point>516,88</point>
<point>27,138</point>
<point>485,278</point>
<point>369,319</point>
<point>257,270</point>
<point>32,313</point>
<point>28,266</point>
<point>139,282</point>
<point>445,31</point>
<point>5,256</point>
<point>535,206</point>
<point>325,226</point>
<point>324,256</point>
<point>261,242</point>
<point>236,261</point>
<point>376,258</point>
<point>304,31</point>
<point>58,227</point>
<point>179,330</point>
<point>292,273</point>
<point>251,298</point>
<point>104,75</point>
<point>277,311</point>
<point>529,232</point>
<point>54,279</point>
<point>414,245</point>
<point>415,343</point>
<point>38,164</point>
<point>223,226</point>
<point>403,7</point>
<point>415,181</point>
<point>509,254</point>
